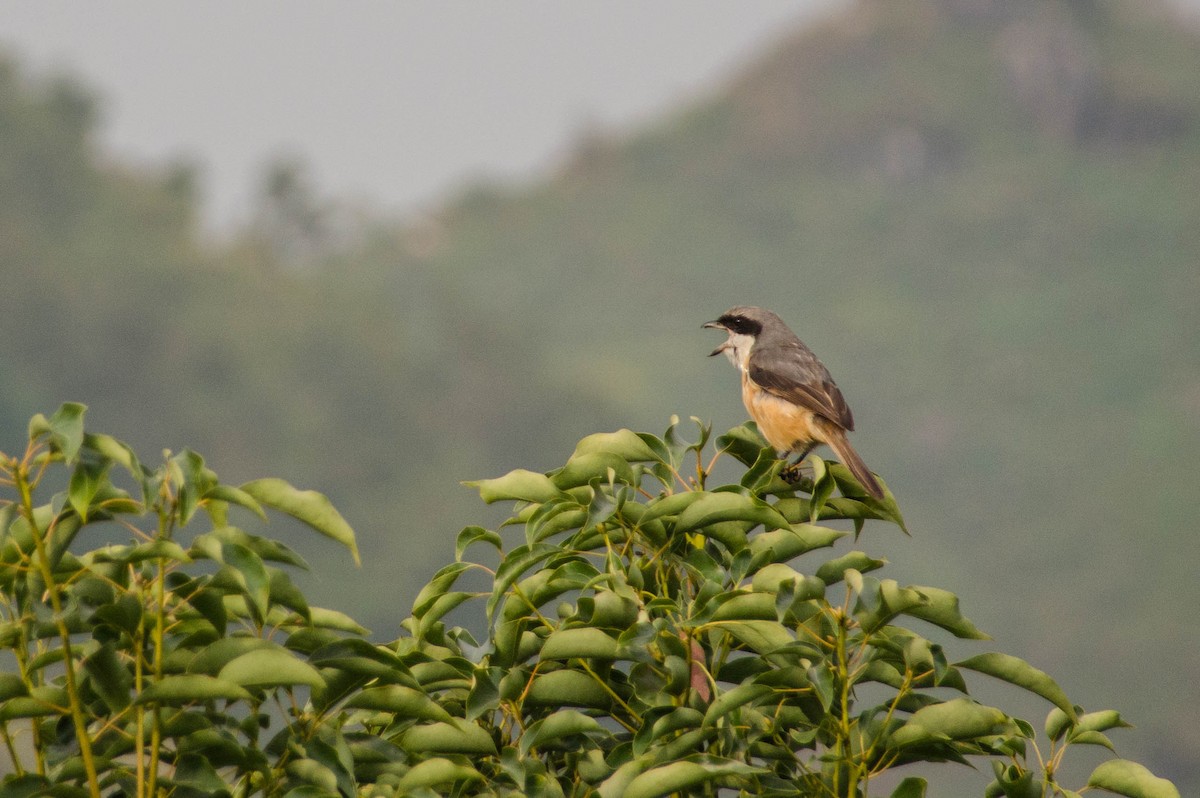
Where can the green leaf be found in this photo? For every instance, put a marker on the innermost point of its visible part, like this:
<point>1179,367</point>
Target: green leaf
<point>912,787</point>
<point>764,473</point>
<point>730,534</point>
<point>885,508</point>
<point>316,774</point>
<point>41,702</point>
<point>623,443</point>
<point>183,689</point>
<point>251,574</point>
<point>117,451</point>
<point>743,443</point>
<point>196,772</point>
<point>1130,779</point>
<point>942,610</point>
<point>1092,738</point>
<point>761,636</point>
<point>87,479</point>
<point>514,564</point>
<point>284,593</point>
<point>34,786</point>
<point>1101,720</point>
<point>730,700</point>
<point>232,495</point>
<point>270,667</point>
<point>607,609</point>
<point>603,506</point>
<point>957,719</point>
<point>554,517</point>
<point>360,656</point>
<point>615,785</point>
<point>452,737</point>
<point>216,655</point>
<point>822,487</point>
<point>1057,723</point>
<point>518,485</point>
<point>757,606</point>
<point>671,504</point>
<point>433,612</point>
<point>441,582</point>
<point>834,570</point>
<point>672,719</point>
<point>583,470</point>
<point>473,534</point>
<point>820,677</point>
<point>712,508</point>
<point>1015,781</point>
<point>893,600</point>
<point>485,692</point>
<point>209,544</point>
<point>64,428</point>
<point>109,677</point>
<point>11,686</point>
<point>554,727</point>
<point>585,642</point>
<point>39,425</point>
<point>437,771</point>
<point>63,532</point>
<point>1017,671</point>
<point>125,614</point>
<point>781,545</point>
<point>682,777</point>
<point>333,619</point>
<point>159,547</point>
<point>400,700</point>
<point>311,790</point>
<point>567,688</point>
<point>308,506</point>
<point>196,480</point>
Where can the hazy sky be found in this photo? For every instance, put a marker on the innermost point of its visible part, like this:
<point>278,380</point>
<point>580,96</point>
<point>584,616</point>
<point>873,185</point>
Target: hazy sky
<point>396,103</point>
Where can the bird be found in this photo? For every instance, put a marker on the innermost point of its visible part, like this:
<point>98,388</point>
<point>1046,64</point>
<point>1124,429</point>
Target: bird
<point>788,392</point>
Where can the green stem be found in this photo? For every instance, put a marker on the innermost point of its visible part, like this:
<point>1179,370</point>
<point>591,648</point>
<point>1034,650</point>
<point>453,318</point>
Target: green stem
<point>903,691</point>
<point>844,724</point>
<point>18,769</point>
<point>77,715</point>
<point>156,720</point>
<point>21,651</point>
<point>139,647</point>
<point>637,718</point>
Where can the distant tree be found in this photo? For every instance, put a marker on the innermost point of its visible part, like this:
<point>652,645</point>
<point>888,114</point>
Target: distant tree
<point>295,224</point>
<point>648,635</point>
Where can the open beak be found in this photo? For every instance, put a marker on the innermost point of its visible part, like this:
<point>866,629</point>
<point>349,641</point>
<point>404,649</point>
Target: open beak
<point>716,325</point>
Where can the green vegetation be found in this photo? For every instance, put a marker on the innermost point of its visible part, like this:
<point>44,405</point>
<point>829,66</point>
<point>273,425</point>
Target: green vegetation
<point>998,265</point>
<point>648,635</point>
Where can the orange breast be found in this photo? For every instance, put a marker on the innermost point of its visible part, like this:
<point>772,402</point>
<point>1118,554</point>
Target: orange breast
<point>786,426</point>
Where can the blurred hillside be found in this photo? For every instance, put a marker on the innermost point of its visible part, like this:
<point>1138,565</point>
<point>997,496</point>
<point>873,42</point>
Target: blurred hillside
<point>982,216</point>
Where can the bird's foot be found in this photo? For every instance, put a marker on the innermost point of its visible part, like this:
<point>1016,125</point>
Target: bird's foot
<point>792,474</point>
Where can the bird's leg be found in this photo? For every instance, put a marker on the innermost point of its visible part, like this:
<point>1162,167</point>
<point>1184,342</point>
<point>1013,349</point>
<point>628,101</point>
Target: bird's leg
<point>791,474</point>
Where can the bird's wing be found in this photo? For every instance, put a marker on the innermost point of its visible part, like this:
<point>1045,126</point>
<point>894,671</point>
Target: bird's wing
<point>794,373</point>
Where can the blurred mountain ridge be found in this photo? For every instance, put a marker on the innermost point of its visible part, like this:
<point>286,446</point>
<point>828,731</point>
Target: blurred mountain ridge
<point>981,215</point>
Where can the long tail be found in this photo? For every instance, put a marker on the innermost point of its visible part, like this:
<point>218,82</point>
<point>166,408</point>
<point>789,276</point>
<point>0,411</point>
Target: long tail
<point>836,438</point>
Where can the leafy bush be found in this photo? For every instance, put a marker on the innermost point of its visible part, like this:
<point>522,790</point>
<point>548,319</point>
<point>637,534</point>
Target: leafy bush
<point>150,667</point>
<point>646,636</point>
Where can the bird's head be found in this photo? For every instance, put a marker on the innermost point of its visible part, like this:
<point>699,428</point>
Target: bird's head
<point>744,325</point>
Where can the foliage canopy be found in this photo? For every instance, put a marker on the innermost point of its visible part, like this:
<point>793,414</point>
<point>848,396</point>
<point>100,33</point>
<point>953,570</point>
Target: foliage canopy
<point>646,635</point>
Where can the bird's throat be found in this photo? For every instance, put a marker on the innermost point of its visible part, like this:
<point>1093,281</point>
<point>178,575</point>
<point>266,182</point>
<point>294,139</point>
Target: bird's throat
<point>737,349</point>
